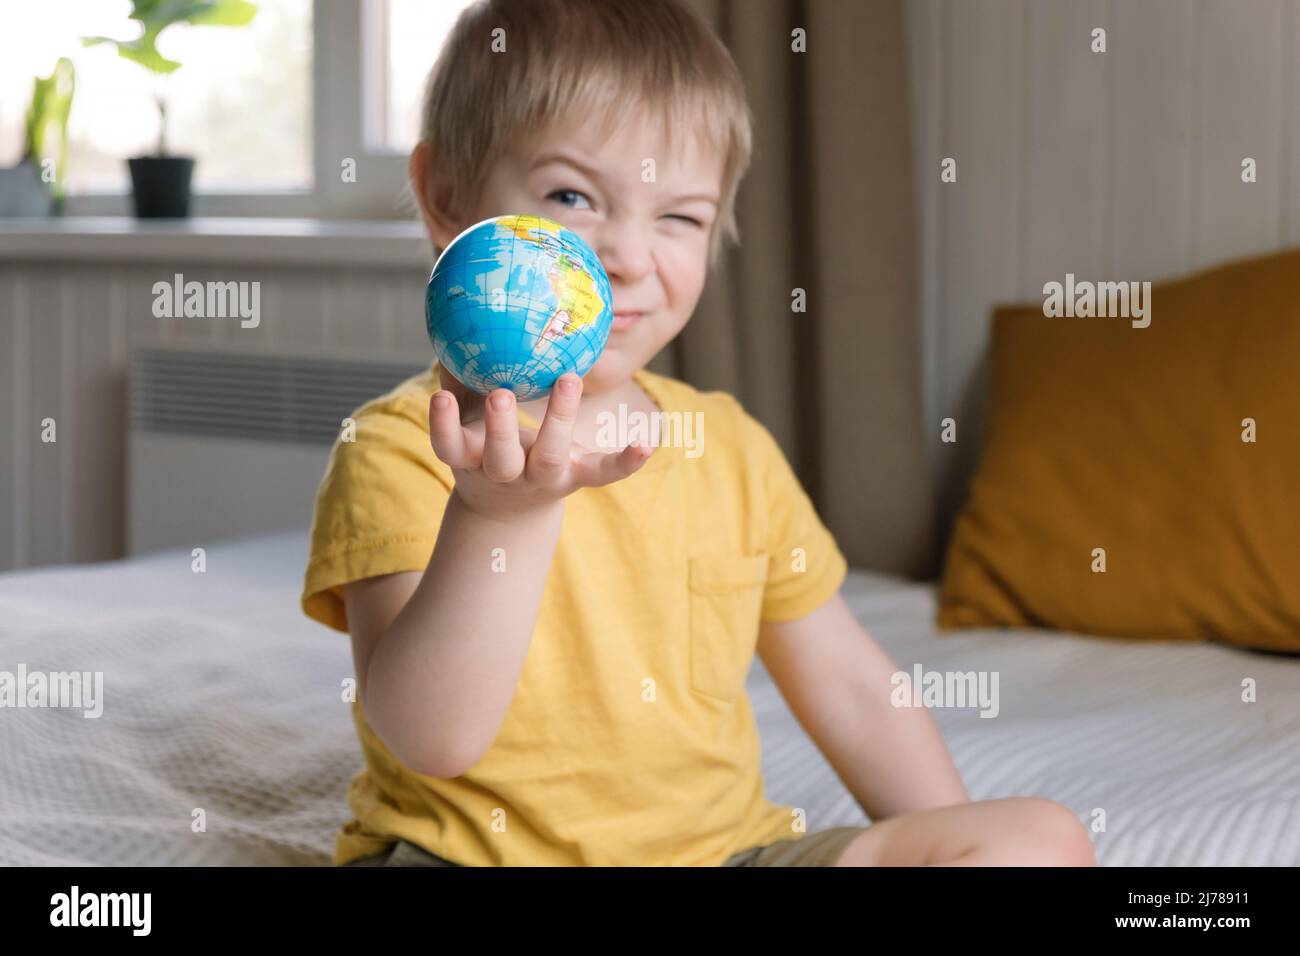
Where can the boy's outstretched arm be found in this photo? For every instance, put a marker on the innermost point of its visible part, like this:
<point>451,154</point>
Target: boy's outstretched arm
<point>438,653</point>
<point>837,681</point>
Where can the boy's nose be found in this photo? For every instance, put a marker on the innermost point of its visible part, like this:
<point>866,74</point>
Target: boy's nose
<point>624,250</point>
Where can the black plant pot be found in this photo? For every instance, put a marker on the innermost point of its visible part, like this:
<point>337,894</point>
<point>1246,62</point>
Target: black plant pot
<point>160,186</point>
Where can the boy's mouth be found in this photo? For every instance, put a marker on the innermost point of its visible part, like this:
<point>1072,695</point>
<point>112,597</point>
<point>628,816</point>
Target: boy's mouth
<point>623,320</point>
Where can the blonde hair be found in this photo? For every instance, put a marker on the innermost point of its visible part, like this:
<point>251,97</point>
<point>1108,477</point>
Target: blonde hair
<point>573,59</point>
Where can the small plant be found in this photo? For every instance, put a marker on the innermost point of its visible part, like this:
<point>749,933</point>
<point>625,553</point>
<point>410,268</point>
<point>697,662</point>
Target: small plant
<point>154,17</point>
<point>49,109</point>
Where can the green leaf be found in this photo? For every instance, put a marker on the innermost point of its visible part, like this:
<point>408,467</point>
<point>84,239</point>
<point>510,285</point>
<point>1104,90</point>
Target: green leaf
<point>147,55</point>
<point>156,15</point>
<point>48,112</point>
<point>141,50</point>
<point>223,13</point>
<point>226,13</point>
<point>168,12</point>
<point>142,10</point>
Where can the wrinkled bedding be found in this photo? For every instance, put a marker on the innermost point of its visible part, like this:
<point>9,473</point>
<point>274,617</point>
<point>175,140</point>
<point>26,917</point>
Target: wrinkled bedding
<point>222,706</point>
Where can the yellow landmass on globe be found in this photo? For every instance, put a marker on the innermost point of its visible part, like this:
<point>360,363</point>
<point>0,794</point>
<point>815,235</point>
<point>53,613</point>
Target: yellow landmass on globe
<point>578,303</point>
<point>575,290</point>
<point>524,225</point>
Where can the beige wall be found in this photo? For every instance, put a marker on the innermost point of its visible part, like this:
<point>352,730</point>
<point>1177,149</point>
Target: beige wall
<point>68,327</point>
<point>1122,165</point>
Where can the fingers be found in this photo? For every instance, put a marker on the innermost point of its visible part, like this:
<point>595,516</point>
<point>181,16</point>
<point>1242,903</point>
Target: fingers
<point>550,454</point>
<point>458,446</point>
<point>600,468</point>
<point>448,437</point>
<point>503,450</point>
<point>503,456</point>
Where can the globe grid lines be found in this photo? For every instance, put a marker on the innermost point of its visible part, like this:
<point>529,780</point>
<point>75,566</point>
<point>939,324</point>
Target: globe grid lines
<point>494,364</point>
<point>569,347</point>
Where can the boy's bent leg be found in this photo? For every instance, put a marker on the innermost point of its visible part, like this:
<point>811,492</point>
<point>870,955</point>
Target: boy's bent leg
<point>819,848</point>
<point>403,853</point>
<point>1014,831</point>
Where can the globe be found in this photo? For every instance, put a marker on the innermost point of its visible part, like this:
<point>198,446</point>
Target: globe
<point>515,302</point>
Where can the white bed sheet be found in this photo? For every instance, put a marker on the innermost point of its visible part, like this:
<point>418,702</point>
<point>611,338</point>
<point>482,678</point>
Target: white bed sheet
<point>220,696</point>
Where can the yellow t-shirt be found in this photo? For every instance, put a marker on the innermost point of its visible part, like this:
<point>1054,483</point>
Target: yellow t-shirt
<point>630,739</point>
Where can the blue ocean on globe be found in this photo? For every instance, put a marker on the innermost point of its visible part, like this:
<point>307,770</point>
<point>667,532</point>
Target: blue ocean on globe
<point>515,302</point>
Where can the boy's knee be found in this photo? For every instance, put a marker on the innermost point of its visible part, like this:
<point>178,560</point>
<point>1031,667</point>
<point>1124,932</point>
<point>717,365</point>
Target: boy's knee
<point>1059,836</point>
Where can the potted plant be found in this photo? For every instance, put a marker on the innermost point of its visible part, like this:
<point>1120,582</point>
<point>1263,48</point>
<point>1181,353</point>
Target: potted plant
<point>160,184</point>
<point>35,186</point>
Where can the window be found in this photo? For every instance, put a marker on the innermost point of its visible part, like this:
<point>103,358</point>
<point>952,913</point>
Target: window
<point>240,103</point>
<point>275,111</point>
<point>410,34</point>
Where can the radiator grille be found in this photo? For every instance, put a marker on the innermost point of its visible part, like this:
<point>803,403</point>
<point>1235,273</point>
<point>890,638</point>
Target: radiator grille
<point>267,398</point>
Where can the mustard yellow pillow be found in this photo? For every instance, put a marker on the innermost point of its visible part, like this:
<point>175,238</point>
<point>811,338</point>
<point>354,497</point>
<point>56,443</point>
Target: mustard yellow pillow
<point>1118,492</point>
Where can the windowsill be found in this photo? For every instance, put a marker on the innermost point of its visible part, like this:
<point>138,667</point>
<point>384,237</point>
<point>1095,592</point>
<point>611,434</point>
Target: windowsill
<point>264,241</point>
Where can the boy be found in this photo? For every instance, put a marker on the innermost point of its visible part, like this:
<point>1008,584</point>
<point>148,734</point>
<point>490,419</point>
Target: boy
<point>551,638</point>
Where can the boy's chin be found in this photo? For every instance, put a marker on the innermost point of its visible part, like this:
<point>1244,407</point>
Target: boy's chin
<point>604,376</point>
<point>612,369</point>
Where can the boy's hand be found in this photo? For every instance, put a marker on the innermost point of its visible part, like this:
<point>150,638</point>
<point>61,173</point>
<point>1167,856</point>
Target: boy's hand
<point>502,470</point>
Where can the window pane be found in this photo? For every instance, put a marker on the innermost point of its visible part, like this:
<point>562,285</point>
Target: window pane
<point>416,30</point>
<point>240,103</point>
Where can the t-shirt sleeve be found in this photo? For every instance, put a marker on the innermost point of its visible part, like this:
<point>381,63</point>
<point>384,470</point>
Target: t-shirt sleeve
<point>378,508</point>
<point>806,567</point>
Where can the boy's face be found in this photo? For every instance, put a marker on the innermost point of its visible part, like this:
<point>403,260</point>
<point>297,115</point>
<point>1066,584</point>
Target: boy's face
<point>650,224</point>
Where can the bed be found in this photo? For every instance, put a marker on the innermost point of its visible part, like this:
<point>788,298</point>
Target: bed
<point>224,737</point>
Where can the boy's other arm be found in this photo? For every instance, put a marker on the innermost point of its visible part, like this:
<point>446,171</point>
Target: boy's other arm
<point>838,683</point>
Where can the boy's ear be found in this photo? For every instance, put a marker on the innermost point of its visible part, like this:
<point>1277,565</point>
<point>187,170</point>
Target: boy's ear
<point>433,193</point>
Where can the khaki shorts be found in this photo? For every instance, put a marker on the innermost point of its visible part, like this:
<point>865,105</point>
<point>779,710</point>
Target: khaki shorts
<point>820,848</point>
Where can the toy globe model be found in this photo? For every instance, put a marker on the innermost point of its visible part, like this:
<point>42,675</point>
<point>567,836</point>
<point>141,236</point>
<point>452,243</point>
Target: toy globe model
<point>515,302</point>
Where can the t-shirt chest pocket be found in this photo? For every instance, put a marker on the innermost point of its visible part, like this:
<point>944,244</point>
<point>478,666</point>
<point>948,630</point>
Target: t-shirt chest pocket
<point>726,598</point>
